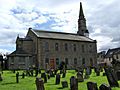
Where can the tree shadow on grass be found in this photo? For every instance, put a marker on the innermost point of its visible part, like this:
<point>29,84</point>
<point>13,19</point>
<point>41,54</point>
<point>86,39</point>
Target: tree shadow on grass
<point>60,88</point>
<point>51,84</point>
<point>8,83</point>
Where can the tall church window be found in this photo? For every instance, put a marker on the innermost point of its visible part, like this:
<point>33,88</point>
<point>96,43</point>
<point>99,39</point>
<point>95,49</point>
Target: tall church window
<point>46,46</point>
<point>91,62</point>
<point>74,47</point>
<point>57,61</point>
<point>90,48</point>
<point>66,61</point>
<point>75,60</point>
<point>83,48</point>
<point>66,47</point>
<point>47,60</point>
<point>56,47</point>
<point>83,61</point>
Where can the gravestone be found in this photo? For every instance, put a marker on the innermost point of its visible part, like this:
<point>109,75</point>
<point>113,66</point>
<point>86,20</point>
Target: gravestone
<point>39,84</point>
<point>31,72</point>
<point>17,77</point>
<point>61,71</point>
<point>80,77</point>
<point>118,74</point>
<point>81,70</point>
<point>48,76</point>
<point>36,72</point>
<point>104,74</point>
<point>23,75</point>
<point>0,77</point>
<point>45,78</point>
<point>42,75</point>
<point>55,71</point>
<point>88,71</point>
<point>57,79</point>
<point>104,87</point>
<point>28,73</point>
<point>52,73</point>
<point>73,83</point>
<point>64,84</point>
<point>111,76</point>
<point>97,70</point>
<point>86,76</point>
<point>63,75</point>
<point>92,86</point>
<point>14,71</point>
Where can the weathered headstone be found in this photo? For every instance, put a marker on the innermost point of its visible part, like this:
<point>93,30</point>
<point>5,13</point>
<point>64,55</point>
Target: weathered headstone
<point>39,84</point>
<point>104,74</point>
<point>104,87</point>
<point>31,72</point>
<point>28,73</point>
<point>36,72</point>
<point>0,77</point>
<point>92,86</point>
<point>48,76</point>
<point>97,70</point>
<point>64,84</point>
<point>86,76</point>
<point>88,71</point>
<point>57,79</point>
<point>80,77</point>
<point>45,78</point>
<point>52,73</point>
<point>17,77</point>
<point>81,70</point>
<point>42,75</point>
<point>118,74</point>
<point>55,71</point>
<point>23,75</point>
<point>73,83</point>
<point>111,76</point>
<point>14,71</point>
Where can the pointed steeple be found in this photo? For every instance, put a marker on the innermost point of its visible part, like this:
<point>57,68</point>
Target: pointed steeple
<point>82,29</point>
<point>81,14</point>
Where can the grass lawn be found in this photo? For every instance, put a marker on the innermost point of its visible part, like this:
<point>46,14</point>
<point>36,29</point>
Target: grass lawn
<point>28,83</point>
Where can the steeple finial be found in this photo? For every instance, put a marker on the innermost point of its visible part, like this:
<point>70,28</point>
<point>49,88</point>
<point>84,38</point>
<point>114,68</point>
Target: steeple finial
<point>81,14</point>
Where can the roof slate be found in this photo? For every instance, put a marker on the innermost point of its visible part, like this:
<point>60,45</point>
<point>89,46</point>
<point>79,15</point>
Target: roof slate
<point>111,52</point>
<point>19,52</point>
<point>61,35</point>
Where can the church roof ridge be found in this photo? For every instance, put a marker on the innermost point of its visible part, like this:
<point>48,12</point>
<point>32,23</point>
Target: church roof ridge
<point>60,35</point>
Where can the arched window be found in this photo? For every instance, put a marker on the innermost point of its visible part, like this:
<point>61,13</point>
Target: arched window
<point>56,47</point>
<point>74,46</point>
<point>83,61</point>
<point>66,47</point>
<point>46,46</point>
<point>75,60</point>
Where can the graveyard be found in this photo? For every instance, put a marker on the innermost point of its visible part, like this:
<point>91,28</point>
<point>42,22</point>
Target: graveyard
<point>12,82</point>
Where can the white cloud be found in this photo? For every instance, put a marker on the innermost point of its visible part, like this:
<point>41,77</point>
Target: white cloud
<point>102,19</point>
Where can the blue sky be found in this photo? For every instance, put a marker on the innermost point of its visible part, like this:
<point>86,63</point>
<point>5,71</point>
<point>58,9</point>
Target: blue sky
<point>102,17</point>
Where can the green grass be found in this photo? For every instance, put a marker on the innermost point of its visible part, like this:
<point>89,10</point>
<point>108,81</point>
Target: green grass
<point>28,83</point>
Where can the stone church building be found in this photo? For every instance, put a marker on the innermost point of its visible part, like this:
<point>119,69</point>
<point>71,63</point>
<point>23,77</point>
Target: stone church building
<point>47,49</point>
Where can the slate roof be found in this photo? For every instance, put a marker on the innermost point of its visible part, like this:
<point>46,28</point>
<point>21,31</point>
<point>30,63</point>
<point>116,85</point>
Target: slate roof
<point>111,52</point>
<point>19,52</point>
<point>61,35</point>
<point>25,39</point>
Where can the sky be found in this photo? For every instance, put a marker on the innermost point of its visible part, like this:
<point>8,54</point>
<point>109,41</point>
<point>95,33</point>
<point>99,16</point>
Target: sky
<point>102,18</point>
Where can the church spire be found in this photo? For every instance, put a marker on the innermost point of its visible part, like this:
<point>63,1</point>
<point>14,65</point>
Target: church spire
<point>81,14</point>
<point>82,29</point>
